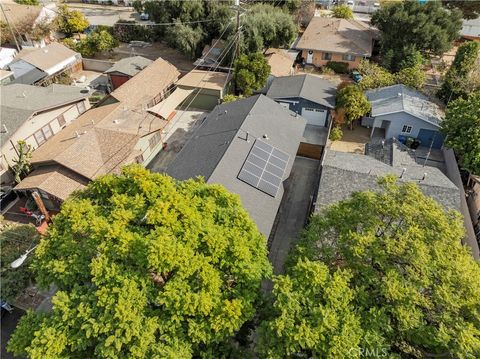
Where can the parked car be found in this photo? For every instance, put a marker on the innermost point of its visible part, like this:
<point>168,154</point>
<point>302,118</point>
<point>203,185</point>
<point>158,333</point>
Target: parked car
<point>356,76</point>
<point>144,16</point>
<point>7,197</point>
<point>350,4</point>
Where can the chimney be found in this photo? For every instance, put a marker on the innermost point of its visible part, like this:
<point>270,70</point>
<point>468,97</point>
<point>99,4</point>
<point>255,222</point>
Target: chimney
<point>403,172</point>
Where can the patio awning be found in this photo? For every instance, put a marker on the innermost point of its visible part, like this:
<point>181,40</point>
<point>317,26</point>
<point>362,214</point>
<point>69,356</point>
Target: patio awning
<point>167,106</point>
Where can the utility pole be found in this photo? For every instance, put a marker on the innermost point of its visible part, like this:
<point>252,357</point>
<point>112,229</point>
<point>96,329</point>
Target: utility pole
<point>237,45</point>
<point>9,27</point>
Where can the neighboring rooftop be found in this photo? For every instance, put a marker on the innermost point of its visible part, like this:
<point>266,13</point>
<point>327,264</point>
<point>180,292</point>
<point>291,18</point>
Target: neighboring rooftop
<point>219,148</point>
<point>345,173</point>
<point>149,82</point>
<point>280,63</point>
<point>47,57</point>
<point>338,36</point>
<point>306,86</point>
<point>6,56</point>
<point>400,98</point>
<point>130,66</point>
<point>103,139</point>
<point>16,12</point>
<point>19,102</point>
<point>56,180</point>
<point>205,79</point>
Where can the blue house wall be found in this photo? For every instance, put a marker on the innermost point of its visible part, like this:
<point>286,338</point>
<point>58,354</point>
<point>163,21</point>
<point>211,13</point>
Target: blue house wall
<point>398,120</point>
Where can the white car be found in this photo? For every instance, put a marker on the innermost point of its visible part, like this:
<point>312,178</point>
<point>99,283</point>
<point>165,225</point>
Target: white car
<point>350,4</point>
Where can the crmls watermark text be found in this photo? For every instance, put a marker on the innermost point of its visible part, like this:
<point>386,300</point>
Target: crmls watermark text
<point>368,353</point>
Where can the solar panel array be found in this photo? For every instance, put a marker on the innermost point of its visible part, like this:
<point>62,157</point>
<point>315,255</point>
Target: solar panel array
<point>264,168</point>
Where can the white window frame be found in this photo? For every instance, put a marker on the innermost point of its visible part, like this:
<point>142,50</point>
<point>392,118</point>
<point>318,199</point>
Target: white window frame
<point>348,57</point>
<point>81,105</point>
<point>327,56</point>
<point>407,129</point>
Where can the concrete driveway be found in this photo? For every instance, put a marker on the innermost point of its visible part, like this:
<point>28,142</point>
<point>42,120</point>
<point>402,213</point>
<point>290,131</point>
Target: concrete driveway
<point>294,209</point>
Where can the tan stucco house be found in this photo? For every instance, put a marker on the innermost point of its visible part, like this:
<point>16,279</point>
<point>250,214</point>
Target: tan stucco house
<point>34,114</point>
<point>331,39</point>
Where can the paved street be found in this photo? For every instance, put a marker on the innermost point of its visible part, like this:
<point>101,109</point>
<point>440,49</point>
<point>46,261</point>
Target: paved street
<point>293,212</point>
<point>8,324</point>
<point>105,14</point>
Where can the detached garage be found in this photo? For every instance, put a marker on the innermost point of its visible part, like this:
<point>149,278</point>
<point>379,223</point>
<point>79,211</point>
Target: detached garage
<point>208,88</point>
<point>312,98</point>
<point>309,96</point>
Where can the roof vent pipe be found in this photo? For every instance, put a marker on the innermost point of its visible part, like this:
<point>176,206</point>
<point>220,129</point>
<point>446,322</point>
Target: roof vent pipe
<point>4,129</point>
<point>403,172</point>
<point>424,176</point>
<point>77,135</point>
<point>93,121</point>
<point>265,136</point>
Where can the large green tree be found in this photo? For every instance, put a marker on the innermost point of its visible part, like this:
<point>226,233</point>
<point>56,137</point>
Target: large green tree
<point>184,38</point>
<point>409,26</point>
<point>312,314</point>
<point>342,12</point>
<point>463,76</point>
<point>374,76</point>
<point>470,9</point>
<point>251,73</point>
<point>267,26</point>
<point>462,128</point>
<point>70,21</point>
<point>400,283</point>
<point>146,267</point>
<point>352,103</point>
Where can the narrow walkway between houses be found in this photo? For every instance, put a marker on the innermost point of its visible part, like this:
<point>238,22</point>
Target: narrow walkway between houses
<point>293,212</point>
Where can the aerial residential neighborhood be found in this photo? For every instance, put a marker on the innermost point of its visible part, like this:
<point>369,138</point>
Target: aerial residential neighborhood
<point>240,179</point>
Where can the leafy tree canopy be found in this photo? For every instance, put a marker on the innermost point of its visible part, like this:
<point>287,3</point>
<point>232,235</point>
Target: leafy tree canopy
<point>409,26</point>
<point>374,76</point>
<point>463,76</point>
<point>342,12</point>
<point>470,9</point>
<point>251,72</point>
<point>352,102</point>
<point>267,26</point>
<point>21,164</point>
<point>312,313</point>
<point>27,2</point>
<point>98,41</point>
<point>400,284</point>
<point>412,77</point>
<point>462,128</point>
<point>184,38</point>
<point>147,267</point>
<point>14,241</point>
<point>70,21</point>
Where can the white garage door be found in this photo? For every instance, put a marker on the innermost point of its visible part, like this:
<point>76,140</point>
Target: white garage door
<point>314,116</point>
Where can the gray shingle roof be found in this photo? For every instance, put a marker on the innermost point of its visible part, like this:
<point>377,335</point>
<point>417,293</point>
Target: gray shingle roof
<point>400,98</point>
<point>345,173</point>
<point>219,147</point>
<point>306,86</point>
<point>19,102</point>
<point>130,66</point>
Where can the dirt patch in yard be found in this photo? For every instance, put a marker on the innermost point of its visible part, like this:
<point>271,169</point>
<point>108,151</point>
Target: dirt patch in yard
<point>353,141</point>
<point>153,52</point>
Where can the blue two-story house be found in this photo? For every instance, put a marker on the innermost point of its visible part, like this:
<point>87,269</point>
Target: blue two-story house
<point>309,96</point>
<point>404,112</point>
